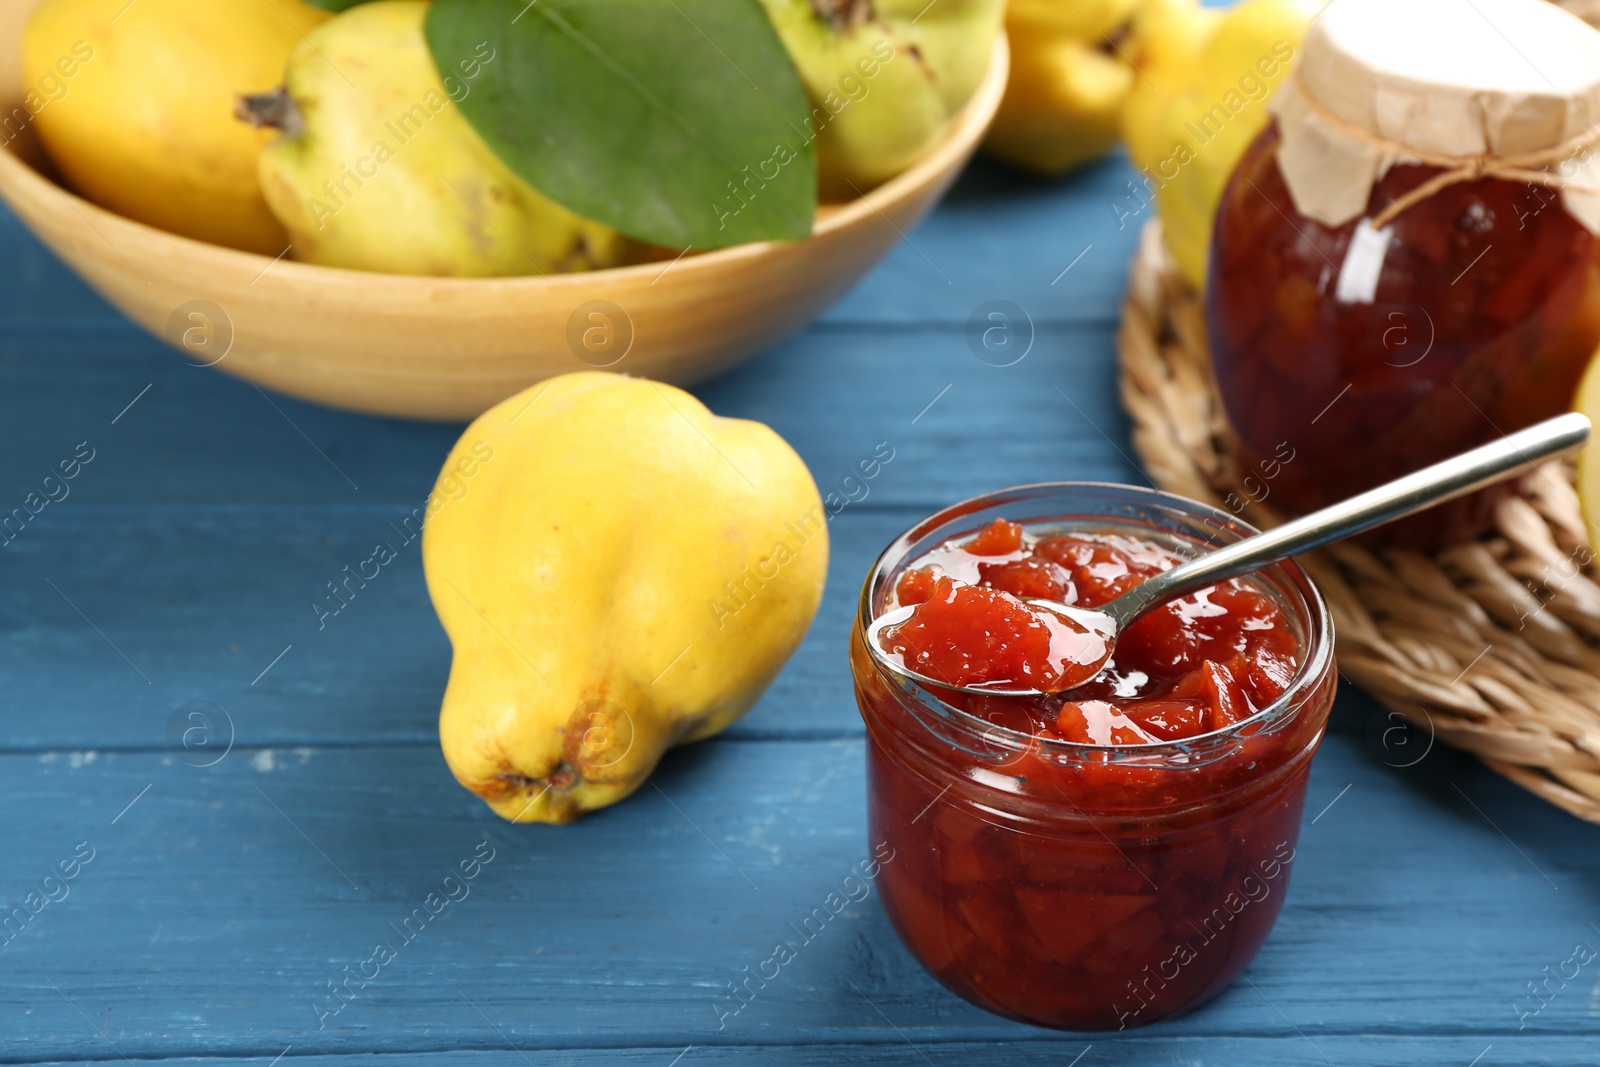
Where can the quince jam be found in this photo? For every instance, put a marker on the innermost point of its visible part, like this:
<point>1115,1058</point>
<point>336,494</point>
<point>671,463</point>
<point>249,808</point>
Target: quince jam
<point>1110,855</point>
<point>1347,358</point>
<point>1196,664</point>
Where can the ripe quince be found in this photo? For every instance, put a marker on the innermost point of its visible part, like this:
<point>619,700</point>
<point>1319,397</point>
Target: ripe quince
<point>1166,40</point>
<point>1069,80</point>
<point>619,571</point>
<point>1587,401</point>
<point>381,172</point>
<point>884,78</point>
<point>134,105</point>
<point>1188,124</point>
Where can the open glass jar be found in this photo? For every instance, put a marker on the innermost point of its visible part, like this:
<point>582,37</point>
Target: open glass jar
<point>1084,886</point>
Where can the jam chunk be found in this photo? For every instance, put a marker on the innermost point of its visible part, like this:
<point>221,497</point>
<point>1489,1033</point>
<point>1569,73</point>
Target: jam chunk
<point>974,635</point>
<point>1196,664</point>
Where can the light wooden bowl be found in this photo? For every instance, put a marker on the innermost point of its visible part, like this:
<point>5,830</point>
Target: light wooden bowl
<point>445,348</point>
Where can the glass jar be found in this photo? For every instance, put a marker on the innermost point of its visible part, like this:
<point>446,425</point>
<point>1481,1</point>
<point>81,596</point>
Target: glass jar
<point>1347,357</point>
<point>1079,886</point>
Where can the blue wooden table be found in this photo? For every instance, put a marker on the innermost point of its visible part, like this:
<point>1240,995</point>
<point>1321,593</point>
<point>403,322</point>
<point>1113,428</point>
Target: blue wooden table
<point>218,895</point>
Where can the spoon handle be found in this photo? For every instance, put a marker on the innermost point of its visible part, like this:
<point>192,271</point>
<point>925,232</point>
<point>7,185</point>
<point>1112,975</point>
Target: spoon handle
<point>1493,462</point>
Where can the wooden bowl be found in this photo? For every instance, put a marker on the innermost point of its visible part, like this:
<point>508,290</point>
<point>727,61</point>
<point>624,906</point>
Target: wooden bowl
<point>449,348</point>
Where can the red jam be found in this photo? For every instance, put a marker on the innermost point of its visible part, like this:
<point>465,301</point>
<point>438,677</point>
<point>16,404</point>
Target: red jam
<point>1484,312</point>
<point>1092,887</point>
<point>978,635</point>
<point>1196,664</point>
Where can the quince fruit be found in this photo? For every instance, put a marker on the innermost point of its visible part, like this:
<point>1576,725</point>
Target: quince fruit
<point>1167,38</point>
<point>619,571</point>
<point>884,78</point>
<point>134,105</point>
<point>1069,81</point>
<point>383,173</point>
<point>1191,121</point>
<point>1587,401</point>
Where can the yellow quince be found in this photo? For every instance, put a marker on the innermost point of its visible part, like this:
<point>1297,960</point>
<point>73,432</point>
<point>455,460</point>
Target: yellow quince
<point>1587,401</point>
<point>384,173</point>
<point>1069,80</point>
<point>1188,124</point>
<point>884,78</point>
<point>1167,40</point>
<point>133,102</point>
<point>619,571</point>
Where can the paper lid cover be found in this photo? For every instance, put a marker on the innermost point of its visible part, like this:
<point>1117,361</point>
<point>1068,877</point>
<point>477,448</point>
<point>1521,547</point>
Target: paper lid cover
<point>1499,88</point>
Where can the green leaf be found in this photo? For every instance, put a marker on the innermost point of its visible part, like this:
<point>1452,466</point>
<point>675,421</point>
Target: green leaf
<point>681,122</point>
<point>336,5</point>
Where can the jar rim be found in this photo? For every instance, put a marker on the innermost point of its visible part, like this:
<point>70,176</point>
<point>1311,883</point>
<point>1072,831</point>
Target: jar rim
<point>1314,619</point>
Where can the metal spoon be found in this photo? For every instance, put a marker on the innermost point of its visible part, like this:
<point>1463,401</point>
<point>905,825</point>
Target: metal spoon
<point>1457,476</point>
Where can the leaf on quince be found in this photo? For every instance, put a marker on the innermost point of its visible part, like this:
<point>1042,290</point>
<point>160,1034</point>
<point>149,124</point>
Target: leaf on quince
<point>336,5</point>
<point>680,122</point>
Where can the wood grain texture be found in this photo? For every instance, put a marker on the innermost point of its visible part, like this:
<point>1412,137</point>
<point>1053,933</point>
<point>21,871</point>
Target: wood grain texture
<point>216,907</point>
<point>833,391</point>
<point>1140,1051</point>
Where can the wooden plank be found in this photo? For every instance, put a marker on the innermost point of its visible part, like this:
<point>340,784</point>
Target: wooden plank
<point>1001,233</point>
<point>957,425</point>
<point>219,904</point>
<point>117,617</point>
<point>1140,1050</point>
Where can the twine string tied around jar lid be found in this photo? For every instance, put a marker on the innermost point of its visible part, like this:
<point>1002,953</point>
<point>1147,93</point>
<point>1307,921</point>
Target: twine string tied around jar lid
<point>1531,168</point>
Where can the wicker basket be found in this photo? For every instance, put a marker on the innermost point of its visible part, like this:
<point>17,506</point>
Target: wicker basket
<point>1492,646</point>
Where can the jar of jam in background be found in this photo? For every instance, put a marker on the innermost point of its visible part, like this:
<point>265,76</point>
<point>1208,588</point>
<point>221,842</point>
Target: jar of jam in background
<point>1083,886</point>
<point>1365,353</point>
